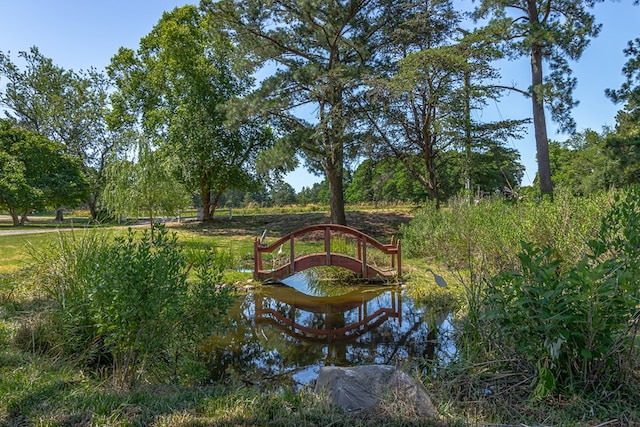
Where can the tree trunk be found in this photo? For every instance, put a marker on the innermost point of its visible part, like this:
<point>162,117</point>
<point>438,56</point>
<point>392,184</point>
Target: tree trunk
<point>93,206</point>
<point>205,194</point>
<point>336,192</point>
<point>216,199</point>
<point>539,121</point>
<point>23,217</point>
<point>14,217</point>
<point>431,170</point>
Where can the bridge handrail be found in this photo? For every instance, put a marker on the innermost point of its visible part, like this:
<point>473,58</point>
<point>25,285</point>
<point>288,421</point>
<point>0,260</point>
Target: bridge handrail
<point>393,249</point>
<point>386,248</point>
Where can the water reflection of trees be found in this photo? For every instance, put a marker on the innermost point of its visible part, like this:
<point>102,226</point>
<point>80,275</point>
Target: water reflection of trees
<point>256,350</point>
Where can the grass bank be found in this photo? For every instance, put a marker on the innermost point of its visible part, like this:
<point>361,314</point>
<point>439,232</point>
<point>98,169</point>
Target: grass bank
<point>486,389</point>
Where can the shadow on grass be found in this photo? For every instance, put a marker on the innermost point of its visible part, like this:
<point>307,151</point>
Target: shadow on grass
<point>380,225</point>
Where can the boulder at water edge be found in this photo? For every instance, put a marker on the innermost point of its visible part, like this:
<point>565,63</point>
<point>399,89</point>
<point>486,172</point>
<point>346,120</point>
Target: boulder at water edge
<point>373,386</point>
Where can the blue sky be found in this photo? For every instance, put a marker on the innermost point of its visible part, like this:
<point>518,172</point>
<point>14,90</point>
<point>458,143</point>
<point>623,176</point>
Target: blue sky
<point>80,34</point>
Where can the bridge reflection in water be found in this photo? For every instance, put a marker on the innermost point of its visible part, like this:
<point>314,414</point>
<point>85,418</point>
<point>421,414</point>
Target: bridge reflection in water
<point>287,332</point>
<point>326,319</point>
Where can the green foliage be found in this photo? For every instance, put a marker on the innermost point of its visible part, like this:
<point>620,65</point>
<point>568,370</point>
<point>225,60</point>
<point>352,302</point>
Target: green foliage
<point>584,163</point>
<point>317,193</point>
<point>65,106</point>
<point>622,146</point>
<point>178,88</point>
<point>282,193</point>
<point>320,67</point>
<point>126,301</point>
<point>487,233</point>
<point>390,180</point>
<point>575,325</point>
<point>35,172</point>
<point>550,41</point>
<point>145,186</point>
<point>420,101</point>
<point>629,91</point>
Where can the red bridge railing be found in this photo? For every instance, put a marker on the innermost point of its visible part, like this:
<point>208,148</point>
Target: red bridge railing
<point>357,264</point>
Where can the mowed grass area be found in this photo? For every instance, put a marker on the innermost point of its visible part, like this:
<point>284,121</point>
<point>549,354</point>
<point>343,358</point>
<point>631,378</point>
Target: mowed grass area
<point>14,250</point>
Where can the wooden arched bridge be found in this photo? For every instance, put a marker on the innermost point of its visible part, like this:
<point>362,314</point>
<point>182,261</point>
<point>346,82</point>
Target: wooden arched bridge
<point>359,262</point>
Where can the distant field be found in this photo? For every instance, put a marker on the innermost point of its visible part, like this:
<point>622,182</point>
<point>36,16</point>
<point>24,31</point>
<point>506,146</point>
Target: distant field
<point>235,233</point>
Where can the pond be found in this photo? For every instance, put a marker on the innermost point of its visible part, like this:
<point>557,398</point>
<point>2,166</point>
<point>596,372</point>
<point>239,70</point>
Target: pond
<point>285,332</point>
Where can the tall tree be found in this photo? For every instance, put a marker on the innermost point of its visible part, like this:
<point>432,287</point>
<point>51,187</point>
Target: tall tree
<point>144,184</point>
<point>319,50</point>
<point>176,88</point>
<point>433,75</point>
<point>63,105</point>
<point>282,193</point>
<point>551,33</point>
<point>35,172</point>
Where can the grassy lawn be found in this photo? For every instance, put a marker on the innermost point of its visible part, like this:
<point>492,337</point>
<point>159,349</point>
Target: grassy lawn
<point>15,250</point>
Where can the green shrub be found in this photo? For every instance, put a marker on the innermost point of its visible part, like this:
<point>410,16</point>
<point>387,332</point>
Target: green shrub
<point>126,302</point>
<point>575,326</point>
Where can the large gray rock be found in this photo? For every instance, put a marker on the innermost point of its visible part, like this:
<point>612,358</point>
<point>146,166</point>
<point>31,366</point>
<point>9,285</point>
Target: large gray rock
<point>373,386</point>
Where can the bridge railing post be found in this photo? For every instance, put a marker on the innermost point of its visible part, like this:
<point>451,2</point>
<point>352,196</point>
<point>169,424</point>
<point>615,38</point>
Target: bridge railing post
<point>292,255</point>
<point>257,258</point>
<point>364,258</point>
<point>399,255</point>
<point>327,244</point>
<point>393,255</point>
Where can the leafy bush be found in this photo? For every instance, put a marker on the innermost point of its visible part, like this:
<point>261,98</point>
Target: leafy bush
<point>126,301</point>
<point>575,326</point>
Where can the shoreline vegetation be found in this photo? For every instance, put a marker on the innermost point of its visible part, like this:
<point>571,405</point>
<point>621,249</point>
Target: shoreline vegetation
<point>546,331</point>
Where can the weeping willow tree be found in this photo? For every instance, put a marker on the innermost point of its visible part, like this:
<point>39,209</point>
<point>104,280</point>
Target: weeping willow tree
<point>143,184</point>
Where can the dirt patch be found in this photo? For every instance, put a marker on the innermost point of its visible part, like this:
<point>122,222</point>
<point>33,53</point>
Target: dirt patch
<point>379,225</point>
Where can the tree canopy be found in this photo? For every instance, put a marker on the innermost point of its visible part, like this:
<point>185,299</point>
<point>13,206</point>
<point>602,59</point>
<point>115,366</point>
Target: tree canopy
<point>551,33</point>
<point>63,105</point>
<point>419,102</point>
<point>320,51</point>
<point>145,185</point>
<point>176,88</point>
<point>36,173</point>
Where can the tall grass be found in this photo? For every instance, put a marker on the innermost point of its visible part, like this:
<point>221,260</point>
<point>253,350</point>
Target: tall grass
<point>552,288</point>
<point>487,235</point>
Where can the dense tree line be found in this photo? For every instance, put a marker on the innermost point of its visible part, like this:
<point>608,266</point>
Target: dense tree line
<point>376,96</point>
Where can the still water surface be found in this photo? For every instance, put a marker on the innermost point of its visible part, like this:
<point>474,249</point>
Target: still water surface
<point>285,332</point>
